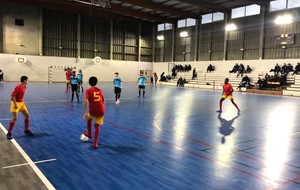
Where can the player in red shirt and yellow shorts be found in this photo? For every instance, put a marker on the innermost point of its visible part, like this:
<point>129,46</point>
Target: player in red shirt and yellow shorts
<point>227,93</point>
<point>18,105</point>
<point>94,99</point>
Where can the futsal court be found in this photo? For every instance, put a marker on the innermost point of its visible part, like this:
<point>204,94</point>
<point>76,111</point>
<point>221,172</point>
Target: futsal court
<point>172,139</point>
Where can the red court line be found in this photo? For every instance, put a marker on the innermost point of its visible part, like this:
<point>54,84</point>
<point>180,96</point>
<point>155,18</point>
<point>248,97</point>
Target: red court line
<point>212,146</point>
<point>285,183</point>
<point>187,151</point>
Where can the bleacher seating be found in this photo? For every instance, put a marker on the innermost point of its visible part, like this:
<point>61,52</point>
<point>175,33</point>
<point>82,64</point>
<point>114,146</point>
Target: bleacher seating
<point>294,89</point>
<point>211,80</point>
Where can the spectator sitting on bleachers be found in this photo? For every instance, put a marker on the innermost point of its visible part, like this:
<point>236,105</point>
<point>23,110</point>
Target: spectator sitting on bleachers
<point>289,68</point>
<point>194,74</point>
<point>297,69</point>
<point>244,83</point>
<point>284,69</point>
<point>235,68</point>
<point>241,70</point>
<point>267,76</point>
<point>248,69</point>
<point>210,68</point>
<point>261,82</point>
<point>162,77</point>
<point>276,69</point>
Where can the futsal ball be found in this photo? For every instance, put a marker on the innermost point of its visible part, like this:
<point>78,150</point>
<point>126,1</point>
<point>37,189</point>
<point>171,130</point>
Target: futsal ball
<point>84,138</point>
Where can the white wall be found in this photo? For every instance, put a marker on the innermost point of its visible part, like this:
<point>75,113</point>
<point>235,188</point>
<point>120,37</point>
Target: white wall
<point>258,66</point>
<point>36,68</point>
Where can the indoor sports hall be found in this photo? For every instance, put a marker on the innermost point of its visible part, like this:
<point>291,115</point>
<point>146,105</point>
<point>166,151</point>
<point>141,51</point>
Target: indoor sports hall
<point>173,137</point>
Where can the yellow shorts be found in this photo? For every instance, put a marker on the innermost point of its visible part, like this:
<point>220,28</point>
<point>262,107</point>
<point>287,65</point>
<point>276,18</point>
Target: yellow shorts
<point>67,81</point>
<point>98,120</point>
<point>21,107</point>
<point>227,96</point>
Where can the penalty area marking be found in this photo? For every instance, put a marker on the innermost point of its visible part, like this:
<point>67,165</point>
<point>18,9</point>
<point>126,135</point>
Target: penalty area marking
<point>30,162</point>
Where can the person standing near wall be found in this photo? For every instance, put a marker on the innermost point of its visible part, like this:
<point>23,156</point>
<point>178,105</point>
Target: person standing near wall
<point>17,104</point>
<point>68,76</point>
<point>118,87</point>
<point>74,85</point>
<point>1,76</point>
<point>80,80</point>
<point>155,78</point>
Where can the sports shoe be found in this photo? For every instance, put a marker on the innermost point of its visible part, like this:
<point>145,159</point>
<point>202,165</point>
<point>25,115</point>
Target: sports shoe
<point>219,111</point>
<point>9,136</point>
<point>239,112</point>
<point>28,132</point>
<point>87,134</point>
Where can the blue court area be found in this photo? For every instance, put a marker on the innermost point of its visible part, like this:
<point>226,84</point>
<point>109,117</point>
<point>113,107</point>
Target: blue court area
<point>172,139</point>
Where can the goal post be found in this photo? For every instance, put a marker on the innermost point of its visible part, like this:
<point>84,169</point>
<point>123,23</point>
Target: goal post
<point>57,74</point>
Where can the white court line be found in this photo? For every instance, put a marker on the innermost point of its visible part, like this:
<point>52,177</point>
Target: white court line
<point>30,162</point>
<point>25,164</point>
<point>5,119</point>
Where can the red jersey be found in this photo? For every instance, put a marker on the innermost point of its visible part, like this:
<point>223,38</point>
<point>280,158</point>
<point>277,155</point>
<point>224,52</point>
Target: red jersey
<point>19,92</point>
<point>227,89</point>
<point>96,100</point>
<point>68,75</point>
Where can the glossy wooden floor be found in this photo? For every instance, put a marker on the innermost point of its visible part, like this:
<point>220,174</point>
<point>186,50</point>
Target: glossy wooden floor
<point>172,139</point>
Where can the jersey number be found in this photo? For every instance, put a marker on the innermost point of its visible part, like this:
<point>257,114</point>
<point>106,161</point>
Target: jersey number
<point>97,97</point>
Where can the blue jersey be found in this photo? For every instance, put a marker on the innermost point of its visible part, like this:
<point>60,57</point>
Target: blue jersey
<point>74,80</point>
<point>80,76</point>
<point>117,82</point>
<point>142,80</point>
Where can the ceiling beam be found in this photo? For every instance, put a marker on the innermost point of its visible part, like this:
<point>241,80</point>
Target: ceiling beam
<point>159,7</point>
<point>204,4</point>
<point>73,9</point>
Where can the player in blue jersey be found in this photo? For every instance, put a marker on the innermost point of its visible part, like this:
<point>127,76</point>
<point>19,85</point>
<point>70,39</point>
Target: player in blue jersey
<point>141,80</point>
<point>74,85</point>
<point>80,79</point>
<point>118,85</point>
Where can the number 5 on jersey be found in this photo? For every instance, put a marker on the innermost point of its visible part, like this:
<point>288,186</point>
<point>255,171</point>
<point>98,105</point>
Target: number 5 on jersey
<point>97,97</point>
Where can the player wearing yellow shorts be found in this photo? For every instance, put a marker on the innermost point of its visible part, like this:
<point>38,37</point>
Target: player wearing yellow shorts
<point>94,99</point>
<point>18,105</point>
<point>227,93</point>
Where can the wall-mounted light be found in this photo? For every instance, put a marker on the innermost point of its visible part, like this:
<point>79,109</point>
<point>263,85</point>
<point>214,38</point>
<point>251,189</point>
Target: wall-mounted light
<point>209,51</point>
<point>283,19</point>
<point>184,34</point>
<point>283,47</point>
<point>242,49</point>
<point>160,37</point>
<point>60,47</point>
<point>230,27</point>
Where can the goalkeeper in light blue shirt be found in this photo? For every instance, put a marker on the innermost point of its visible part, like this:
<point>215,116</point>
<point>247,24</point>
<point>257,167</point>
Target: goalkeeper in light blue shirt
<point>118,86</point>
<point>141,80</point>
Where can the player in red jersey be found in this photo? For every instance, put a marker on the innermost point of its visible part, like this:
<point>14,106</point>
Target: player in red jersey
<point>68,77</point>
<point>17,104</point>
<point>94,99</point>
<point>227,93</point>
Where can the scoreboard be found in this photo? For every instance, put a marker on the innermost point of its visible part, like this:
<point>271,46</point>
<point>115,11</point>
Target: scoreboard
<point>284,39</point>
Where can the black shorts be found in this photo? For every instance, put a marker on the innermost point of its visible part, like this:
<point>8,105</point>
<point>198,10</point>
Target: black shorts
<point>117,90</point>
<point>74,87</point>
<point>141,87</point>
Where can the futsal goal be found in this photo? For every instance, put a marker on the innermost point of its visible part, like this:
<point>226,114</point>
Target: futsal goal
<point>58,73</point>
